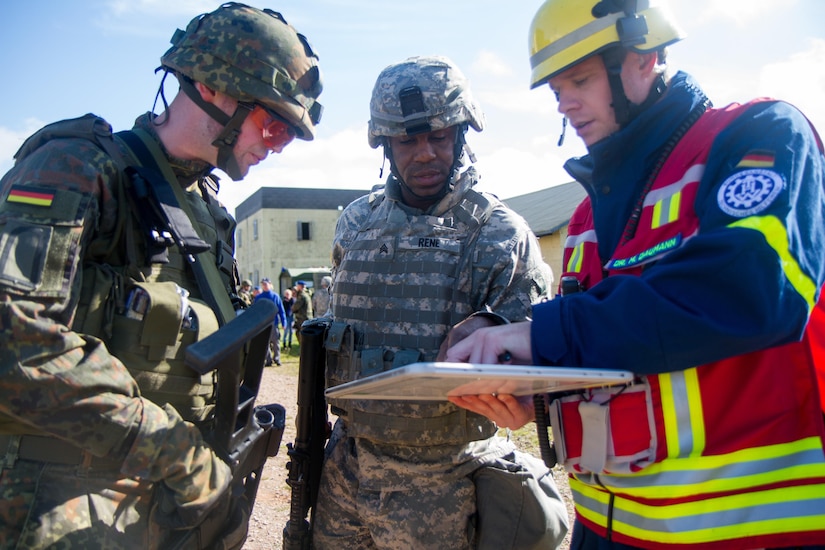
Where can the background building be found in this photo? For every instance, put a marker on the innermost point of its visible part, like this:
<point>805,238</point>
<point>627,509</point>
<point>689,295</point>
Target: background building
<point>548,213</point>
<point>285,233</point>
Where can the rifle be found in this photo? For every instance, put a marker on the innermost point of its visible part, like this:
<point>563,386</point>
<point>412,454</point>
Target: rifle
<point>312,430</point>
<point>241,433</point>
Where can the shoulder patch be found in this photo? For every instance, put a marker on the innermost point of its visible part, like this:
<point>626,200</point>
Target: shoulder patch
<point>37,196</point>
<point>749,192</point>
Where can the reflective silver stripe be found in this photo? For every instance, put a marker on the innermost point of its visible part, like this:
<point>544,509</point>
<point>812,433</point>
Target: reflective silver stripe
<point>573,38</point>
<point>692,175</point>
<point>681,406</point>
<point>682,476</point>
<point>788,510</point>
<point>588,236</point>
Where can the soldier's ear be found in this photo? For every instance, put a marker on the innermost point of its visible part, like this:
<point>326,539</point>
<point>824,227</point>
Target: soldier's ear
<point>206,93</point>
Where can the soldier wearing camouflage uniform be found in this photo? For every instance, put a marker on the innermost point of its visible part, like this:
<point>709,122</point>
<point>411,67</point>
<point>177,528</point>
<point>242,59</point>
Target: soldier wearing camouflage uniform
<point>245,292</point>
<point>411,260</point>
<point>99,443</point>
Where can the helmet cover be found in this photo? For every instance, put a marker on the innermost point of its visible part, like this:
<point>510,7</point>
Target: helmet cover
<point>253,56</point>
<point>421,94</point>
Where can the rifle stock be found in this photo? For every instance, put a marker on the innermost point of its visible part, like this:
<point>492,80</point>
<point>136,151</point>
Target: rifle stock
<point>306,454</point>
<point>241,433</point>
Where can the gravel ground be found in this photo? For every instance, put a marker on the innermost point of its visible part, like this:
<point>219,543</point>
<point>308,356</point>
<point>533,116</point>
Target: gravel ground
<point>271,512</point>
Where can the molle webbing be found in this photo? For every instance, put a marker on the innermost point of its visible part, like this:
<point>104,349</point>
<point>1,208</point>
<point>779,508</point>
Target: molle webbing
<point>454,428</point>
<point>208,277</point>
<point>403,282</point>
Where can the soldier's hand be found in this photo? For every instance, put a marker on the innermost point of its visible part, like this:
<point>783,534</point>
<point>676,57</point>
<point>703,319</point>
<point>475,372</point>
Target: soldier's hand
<point>507,411</point>
<point>190,478</point>
<point>461,331</point>
<point>177,506</point>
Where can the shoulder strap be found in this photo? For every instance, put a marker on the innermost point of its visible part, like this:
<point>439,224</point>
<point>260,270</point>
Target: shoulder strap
<point>168,194</point>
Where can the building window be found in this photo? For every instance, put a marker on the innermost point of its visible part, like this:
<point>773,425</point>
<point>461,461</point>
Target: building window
<point>303,231</point>
<point>239,237</point>
<point>254,230</point>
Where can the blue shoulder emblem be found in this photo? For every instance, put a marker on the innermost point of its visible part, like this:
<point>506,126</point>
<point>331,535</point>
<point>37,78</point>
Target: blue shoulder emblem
<point>749,192</point>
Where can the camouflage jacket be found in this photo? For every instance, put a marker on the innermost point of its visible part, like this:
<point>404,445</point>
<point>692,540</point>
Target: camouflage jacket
<point>62,213</point>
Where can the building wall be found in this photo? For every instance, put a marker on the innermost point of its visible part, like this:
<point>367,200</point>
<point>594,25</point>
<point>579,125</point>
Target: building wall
<point>551,251</point>
<point>277,244</point>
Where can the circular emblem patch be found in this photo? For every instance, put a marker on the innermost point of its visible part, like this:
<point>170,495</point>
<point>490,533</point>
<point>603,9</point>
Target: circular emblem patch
<point>749,192</point>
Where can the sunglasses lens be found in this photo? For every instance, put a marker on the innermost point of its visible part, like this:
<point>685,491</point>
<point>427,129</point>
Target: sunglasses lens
<point>276,133</point>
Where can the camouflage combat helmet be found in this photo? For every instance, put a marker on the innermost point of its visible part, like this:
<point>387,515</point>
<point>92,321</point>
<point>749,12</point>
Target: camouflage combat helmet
<point>253,56</point>
<point>419,95</point>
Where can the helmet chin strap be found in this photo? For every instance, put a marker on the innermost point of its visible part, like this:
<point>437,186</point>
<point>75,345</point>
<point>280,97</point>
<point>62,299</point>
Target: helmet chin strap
<point>225,141</point>
<point>624,110</point>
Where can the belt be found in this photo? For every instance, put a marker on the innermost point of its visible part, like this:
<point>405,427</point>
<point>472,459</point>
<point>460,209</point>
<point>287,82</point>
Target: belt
<point>52,450</point>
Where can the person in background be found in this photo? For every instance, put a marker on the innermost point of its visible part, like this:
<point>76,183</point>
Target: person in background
<point>321,297</point>
<point>273,354</point>
<point>100,417</point>
<point>415,257</point>
<point>288,302</point>
<point>302,308</point>
<point>692,213</point>
<point>245,292</point>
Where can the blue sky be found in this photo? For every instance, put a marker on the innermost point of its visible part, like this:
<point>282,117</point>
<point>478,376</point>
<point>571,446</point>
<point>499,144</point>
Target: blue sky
<point>65,58</point>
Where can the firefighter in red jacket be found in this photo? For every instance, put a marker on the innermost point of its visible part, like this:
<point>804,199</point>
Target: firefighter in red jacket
<point>700,253</point>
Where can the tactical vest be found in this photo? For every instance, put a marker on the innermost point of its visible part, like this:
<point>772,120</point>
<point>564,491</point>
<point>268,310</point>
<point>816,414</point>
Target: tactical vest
<point>647,469</point>
<point>140,297</point>
<point>403,282</point>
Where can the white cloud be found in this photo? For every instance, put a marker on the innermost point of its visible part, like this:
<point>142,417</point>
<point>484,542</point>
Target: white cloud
<point>11,140</point>
<point>743,11</point>
<point>341,161</point>
<point>800,80</point>
<point>508,172</point>
<point>491,64</point>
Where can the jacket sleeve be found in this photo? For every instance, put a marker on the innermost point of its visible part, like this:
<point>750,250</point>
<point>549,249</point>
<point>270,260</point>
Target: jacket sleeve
<point>747,280</point>
<point>58,382</point>
<point>509,274</point>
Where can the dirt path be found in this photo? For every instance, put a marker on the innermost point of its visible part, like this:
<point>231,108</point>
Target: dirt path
<point>271,512</point>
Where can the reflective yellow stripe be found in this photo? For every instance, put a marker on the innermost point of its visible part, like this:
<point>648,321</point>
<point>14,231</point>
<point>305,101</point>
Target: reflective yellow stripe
<point>772,511</point>
<point>669,413</point>
<point>655,222</point>
<point>777,236</point>
<point>666,210</point>
<point>574,265</point>
<point>691,476</point>
<point>575,243</point>
<point>683,414</point>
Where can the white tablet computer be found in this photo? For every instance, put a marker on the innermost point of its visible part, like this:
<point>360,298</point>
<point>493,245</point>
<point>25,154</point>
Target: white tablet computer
<point>436,381</point>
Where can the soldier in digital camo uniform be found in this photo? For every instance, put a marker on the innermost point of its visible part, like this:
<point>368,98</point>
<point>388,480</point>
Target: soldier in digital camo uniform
<point>98,439</point>
<point>411,260</point>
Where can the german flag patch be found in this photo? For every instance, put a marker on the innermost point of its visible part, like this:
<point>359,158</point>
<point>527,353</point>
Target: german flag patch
<point>37,196</point>
<point>757,159</point>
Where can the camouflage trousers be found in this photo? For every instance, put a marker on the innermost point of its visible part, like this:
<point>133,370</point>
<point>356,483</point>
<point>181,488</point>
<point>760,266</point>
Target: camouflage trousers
<point>45,505</point>
<point>374,496</point>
